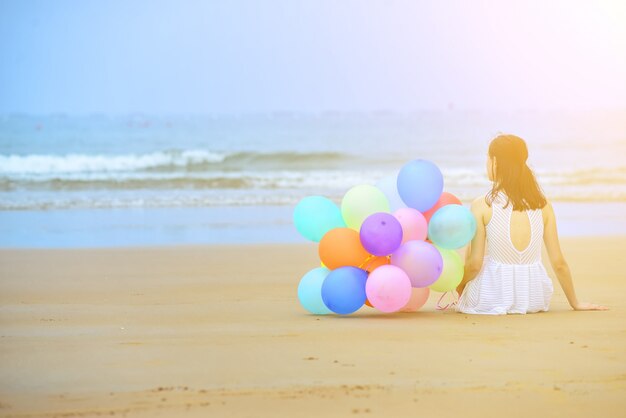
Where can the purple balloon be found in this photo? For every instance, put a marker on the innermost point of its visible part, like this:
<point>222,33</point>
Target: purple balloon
<point>381,234</point>
<point>420,260</point>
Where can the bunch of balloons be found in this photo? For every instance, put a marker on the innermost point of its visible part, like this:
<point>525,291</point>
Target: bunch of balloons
<point>387,260</point>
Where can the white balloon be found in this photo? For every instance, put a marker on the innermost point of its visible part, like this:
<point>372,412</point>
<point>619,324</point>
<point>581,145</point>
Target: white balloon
<point>389,186</point>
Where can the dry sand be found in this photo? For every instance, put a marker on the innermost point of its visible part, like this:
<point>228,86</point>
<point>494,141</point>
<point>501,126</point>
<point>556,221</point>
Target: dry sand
<point>218,331</point>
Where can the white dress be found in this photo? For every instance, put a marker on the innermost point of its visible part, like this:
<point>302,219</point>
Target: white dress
<point>510,281</point>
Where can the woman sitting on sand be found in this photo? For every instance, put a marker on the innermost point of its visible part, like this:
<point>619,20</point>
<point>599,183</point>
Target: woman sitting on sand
<point>512,220</point>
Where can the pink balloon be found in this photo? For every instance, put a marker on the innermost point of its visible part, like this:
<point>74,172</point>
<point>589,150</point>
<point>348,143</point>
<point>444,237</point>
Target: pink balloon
<point>421,261</point>
<point>419,296</point>
<point>388,288</point>
<point>414,224</point>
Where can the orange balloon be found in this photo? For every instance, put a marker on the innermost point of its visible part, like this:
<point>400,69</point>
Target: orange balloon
<point>445,199</point>
<point>375,262</point>
<point>342,247</point>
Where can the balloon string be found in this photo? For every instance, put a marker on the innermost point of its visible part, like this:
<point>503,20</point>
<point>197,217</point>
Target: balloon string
<point>367,260</point>
<point>449,305</point>
<point>370,258</point>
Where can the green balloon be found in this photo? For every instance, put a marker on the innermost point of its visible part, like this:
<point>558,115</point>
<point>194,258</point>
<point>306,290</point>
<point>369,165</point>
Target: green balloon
<point>314,216</point>
<point>360,202</point>
<point>452,272</point>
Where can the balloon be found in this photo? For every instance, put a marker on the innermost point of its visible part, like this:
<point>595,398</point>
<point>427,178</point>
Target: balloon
<point>452,227</point>
<point>414,226</point>
<point>343,290</point>
<point>381,233</point>
<point>310,291</point>
<point>374,262</point>
<point>420,260</point>
<point>419,296</point>
<point>316,215</point>
<point>420,184</point>
<point>342,247</point>
<point>360,202</point>
<point>388,288</point>
<point>452,273</point>
<point>389,186</point>
<point>445,199</point>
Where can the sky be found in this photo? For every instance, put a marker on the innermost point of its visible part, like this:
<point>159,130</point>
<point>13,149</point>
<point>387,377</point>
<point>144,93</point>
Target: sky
<point>310,55</point>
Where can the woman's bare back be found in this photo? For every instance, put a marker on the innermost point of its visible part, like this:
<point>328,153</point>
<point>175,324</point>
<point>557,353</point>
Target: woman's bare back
<point>520,229</point>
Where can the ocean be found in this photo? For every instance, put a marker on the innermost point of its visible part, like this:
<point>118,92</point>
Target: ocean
<point>126,180</point>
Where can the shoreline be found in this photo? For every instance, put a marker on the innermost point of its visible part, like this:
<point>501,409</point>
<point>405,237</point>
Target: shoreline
<point>163,227</point>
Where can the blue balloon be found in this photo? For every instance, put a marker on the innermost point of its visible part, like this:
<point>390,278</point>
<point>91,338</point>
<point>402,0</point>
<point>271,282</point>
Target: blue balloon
<point>343,290</point>
<point>314,216</point>
<point>310,291</point>
<point>452,227</point>
<point>420,184</point>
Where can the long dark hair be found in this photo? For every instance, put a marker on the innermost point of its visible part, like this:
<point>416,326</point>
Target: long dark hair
<point>513,176</point>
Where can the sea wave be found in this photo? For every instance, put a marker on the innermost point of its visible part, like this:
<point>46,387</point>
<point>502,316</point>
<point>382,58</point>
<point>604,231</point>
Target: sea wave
<point>141,200</point>
<point>204,178</point>
<point>279,179</point>
<point>170,160</point>
<point>244,168</point>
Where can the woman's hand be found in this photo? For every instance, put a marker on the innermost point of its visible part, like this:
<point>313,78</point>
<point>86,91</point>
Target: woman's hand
<point>586,306</point>
<point>460,288</point>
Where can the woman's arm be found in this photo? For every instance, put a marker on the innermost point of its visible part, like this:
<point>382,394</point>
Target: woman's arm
<point>476,251</point>
<point>559,265</point>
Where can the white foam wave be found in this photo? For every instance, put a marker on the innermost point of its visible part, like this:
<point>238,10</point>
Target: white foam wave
<point>331,180</point>
<point>82,163</point>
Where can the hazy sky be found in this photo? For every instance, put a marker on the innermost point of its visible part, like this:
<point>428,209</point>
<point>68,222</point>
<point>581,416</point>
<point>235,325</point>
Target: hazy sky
<point>239,56</point>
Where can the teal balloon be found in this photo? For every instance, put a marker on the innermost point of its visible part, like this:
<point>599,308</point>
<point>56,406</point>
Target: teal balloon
<point>452,227</point>
<point>314,216</point>
<point>310,291</point>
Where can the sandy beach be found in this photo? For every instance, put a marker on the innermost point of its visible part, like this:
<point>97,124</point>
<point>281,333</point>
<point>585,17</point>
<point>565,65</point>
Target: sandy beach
<point>218,331</point>
<point>165,168</point>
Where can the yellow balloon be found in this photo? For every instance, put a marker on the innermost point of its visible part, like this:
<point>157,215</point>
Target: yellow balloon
<point>452,272</point>
<point>360,202</point>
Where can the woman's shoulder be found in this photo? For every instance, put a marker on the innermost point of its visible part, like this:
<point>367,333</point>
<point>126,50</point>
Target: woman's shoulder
<point>490,197</point>
<point>480,202</point>
<point>548,204</point>
<point>547,211</point>
<point>481,209</point>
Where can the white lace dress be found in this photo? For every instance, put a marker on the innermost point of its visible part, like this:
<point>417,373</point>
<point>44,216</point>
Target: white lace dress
<point>510,281</point>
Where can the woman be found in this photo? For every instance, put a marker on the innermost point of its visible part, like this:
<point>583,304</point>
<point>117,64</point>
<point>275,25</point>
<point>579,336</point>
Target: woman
<point>513,219</point>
